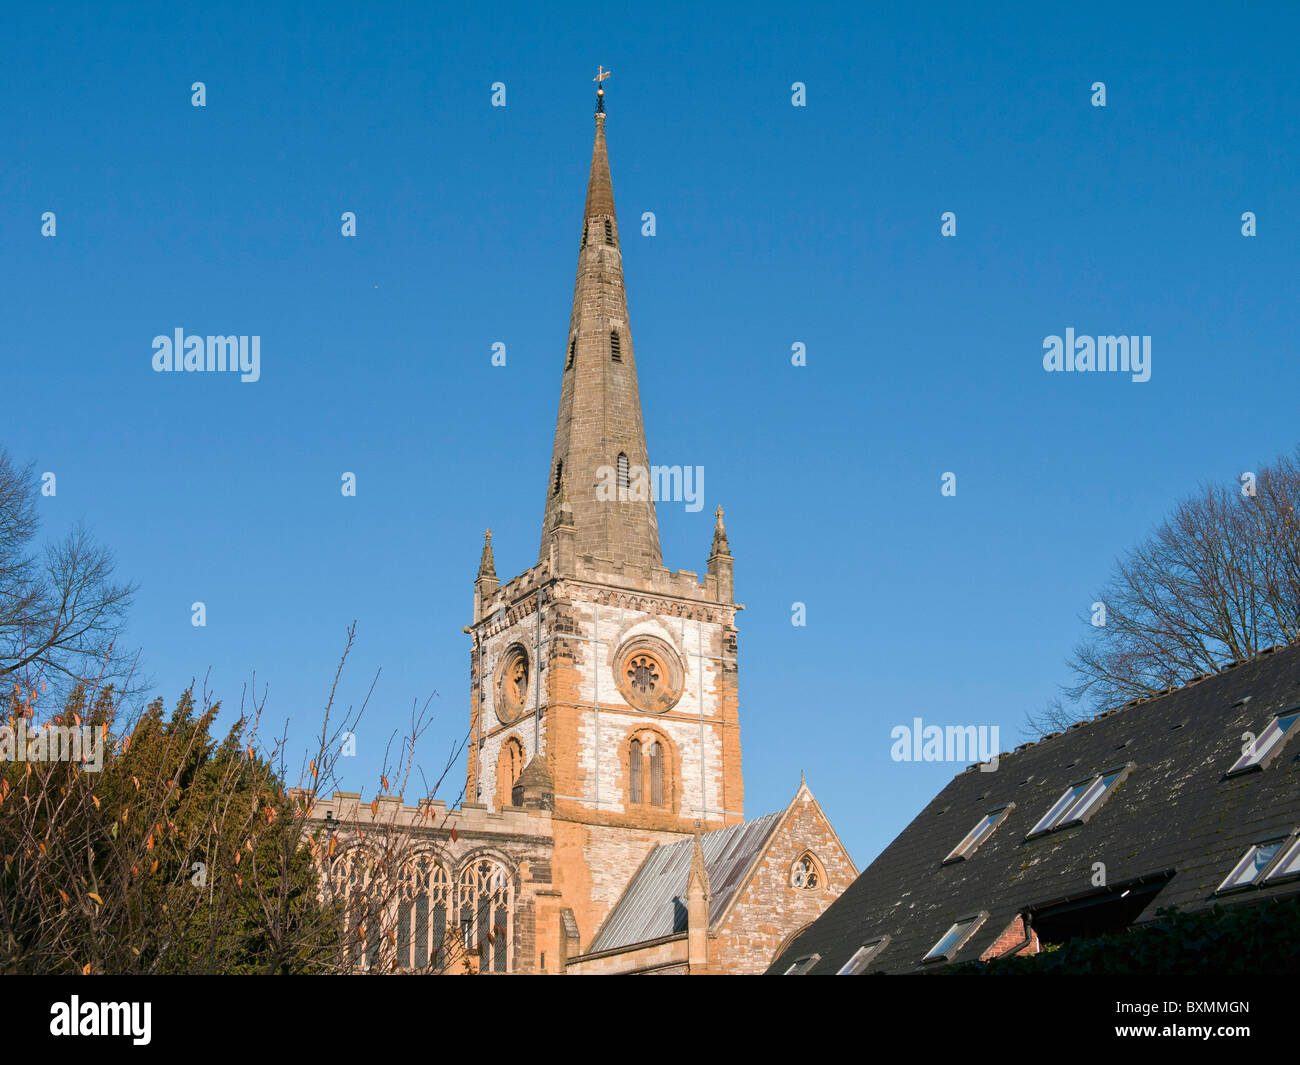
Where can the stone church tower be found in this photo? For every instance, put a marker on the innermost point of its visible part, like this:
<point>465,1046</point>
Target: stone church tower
<point>604,685</point>
<point>602,829</point>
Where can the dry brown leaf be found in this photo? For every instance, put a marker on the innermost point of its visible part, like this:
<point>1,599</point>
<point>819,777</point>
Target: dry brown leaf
<point>95,897</point>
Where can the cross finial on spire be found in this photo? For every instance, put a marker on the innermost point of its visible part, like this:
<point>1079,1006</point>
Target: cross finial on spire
<point>601,75</point>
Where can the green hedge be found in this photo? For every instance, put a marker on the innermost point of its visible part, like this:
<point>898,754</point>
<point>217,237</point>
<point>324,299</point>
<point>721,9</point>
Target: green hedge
<point>1243,940</point>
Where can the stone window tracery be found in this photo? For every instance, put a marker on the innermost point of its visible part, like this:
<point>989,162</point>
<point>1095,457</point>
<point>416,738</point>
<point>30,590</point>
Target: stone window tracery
<point>485,908</point>
<point>649,674</point>
<point>807,873</point>
<point>649,771</point>
<point>424,894</point>
<point>356,876</point>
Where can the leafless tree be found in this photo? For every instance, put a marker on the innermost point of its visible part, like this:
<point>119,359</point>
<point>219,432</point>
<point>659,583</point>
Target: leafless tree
<point>1215,582</point>
<point>61,611</point>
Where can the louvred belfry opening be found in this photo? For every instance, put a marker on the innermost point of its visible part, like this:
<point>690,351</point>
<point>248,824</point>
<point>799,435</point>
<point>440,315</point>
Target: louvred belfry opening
<point>599,417</point>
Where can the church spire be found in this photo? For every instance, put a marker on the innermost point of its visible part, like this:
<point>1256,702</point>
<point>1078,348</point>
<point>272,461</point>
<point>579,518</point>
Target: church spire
<point>600,454</point>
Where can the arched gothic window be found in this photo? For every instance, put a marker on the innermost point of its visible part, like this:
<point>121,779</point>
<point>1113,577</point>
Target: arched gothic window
<point>485,907</point>
<point>634,771</point>
<point>807,873</point>
<point>559,476</point>
<point>656,774</point>
<point>510,763</point>
<point>424,893</point>
<point>573,350</point>
<point>648,774</point>
<point>622,476</point>
<point>355,873</point>
<point>609,231</point>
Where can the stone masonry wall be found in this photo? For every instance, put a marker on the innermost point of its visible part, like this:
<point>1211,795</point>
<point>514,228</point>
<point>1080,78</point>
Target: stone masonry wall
<point>769,908</point>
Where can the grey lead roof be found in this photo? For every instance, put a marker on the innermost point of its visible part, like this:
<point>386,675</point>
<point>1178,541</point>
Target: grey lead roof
<point>654,904</point>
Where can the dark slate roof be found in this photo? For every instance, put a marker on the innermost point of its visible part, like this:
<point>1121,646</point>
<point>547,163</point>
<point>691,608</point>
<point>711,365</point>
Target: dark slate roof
<point>654,904</point>
<point>1175,811</point>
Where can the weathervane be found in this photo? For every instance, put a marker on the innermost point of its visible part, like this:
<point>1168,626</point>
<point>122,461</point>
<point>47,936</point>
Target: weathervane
<point>601,75</point>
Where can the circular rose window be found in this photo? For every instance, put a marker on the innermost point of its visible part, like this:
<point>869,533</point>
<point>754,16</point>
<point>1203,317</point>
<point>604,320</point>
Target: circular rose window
<point>648,673</point>
<point>512,683</point>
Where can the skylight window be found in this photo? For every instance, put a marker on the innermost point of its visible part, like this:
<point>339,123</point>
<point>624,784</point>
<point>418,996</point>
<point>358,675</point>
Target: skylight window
<point>1081,800</point>
<point>802,965</point>
<point>1288,865</point>
<point>863,956</point>
<point>979,834</point>
<point>955,938</point>
<point>1264,749</point>
<point>1254,865</point>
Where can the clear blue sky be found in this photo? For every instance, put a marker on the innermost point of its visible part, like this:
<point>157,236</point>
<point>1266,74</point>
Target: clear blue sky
<point>776,224</point>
